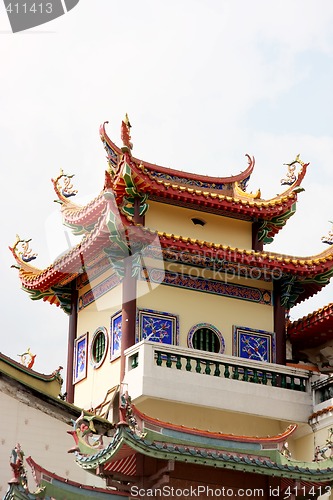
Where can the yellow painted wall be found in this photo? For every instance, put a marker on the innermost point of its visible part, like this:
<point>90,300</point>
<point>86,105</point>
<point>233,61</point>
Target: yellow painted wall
<point>91,391</point>
<point>218,229</point>
<point>303,448</point>
<point>211,420</point>
<point>198,307</point>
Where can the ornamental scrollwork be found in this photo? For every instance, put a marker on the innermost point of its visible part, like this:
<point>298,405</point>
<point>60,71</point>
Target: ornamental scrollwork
<point>21,249</point>
<point>291,176</point>
<point>63,186</point>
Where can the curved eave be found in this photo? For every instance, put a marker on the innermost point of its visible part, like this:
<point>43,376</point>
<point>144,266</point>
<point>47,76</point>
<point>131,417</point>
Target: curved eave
<point>211,199</point>
<point>66,268</point>
<point>267,463</point>
<point>29,371</point>
<point>280,438</point>
<point>304,267</point>
<point>85,216</point>
<point>180,187</point>
<point>314,329</point>
<point>205,179</point>
<point>62,484</point>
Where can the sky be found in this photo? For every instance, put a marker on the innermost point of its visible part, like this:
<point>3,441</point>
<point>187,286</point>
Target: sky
<point>204,82</point>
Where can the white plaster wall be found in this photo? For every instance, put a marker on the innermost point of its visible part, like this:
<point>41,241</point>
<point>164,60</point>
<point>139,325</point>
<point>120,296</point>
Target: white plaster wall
<point>42,437</point>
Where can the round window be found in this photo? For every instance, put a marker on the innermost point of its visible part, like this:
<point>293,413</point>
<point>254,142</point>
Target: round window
<point>99,347</point>
<point>206,337</point>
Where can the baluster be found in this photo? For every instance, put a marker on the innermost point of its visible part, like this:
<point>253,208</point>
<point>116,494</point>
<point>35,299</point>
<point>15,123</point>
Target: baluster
<point>188,364</point>
<point>135,362</point>
<point>292,382</point>
<point>198,366</point>
<point>283,381</point>
<point>246,375</point>
<point>274,381</point>
<point>217,372</point>
<point>255,376</point>
<point>226,371</point>
<point>236,373</point>
<point>302,384</point>
<point>178,363</point>
<point>264,378</point>
<point>169,361</point>
<point>207,369</point>
<point>159,359</point>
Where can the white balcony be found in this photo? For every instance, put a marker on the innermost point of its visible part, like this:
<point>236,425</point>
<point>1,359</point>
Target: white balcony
<point>216,381</point>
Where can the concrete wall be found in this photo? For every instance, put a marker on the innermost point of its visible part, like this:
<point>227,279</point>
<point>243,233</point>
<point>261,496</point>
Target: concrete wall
<point>41,436</point>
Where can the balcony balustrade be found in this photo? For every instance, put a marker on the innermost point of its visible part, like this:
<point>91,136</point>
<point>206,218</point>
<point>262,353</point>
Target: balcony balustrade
<point>197,377</point>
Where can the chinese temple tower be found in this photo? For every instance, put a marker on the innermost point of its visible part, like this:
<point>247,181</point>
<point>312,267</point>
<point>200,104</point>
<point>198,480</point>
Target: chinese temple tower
<point>179,336</point>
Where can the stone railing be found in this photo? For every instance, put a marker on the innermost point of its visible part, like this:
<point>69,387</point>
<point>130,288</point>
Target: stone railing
<point>323,390</point>
<point>219,366</point>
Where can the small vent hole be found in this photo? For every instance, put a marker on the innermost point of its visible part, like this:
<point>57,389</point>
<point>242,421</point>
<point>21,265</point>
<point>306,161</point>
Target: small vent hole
<point>198,222</point>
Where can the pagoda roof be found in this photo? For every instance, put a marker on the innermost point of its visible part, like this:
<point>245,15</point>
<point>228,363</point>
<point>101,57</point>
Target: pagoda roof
<point>142,435</point>
<point>222,195</point>
<point>314,329</point>
<point>49,385</point>
<point>50,485</point>
<point>117,236</point>
<point>225,196</point>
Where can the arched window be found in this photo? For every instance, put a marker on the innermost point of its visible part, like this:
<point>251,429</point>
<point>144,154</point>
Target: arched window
<point>206,337</point>
<point>98,347</point>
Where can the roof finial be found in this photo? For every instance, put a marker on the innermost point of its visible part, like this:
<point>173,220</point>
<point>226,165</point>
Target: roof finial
<point>329,238</point>
<point>22,250</point>
<point>126,135</point>
<point>290,175</point>
<point>27,358</point>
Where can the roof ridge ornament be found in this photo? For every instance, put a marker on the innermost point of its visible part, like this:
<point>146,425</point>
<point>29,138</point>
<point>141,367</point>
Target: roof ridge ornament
<point>126,135</point>
<point>291,177</point>
<point>22,251</point>
<point>63,187</point>
<point>329,238</point>
<point>27,359</point>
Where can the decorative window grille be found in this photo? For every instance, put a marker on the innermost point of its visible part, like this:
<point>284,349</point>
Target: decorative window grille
<point>99,347</point>
<point>206,337</point>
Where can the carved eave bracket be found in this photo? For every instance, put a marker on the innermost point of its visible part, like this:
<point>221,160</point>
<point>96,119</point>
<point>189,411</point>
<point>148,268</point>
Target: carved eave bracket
<point>23,255</point>
<point>64,188</point>
<point>291,176</point>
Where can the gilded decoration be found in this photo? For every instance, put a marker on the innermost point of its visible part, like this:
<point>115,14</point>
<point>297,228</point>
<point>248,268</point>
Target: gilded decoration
<point>27,358</point>
<point>22,250</point>
<point>63,186</point>
<point>291,176</point>
<point>329,238</point>
<point>126,135</point>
